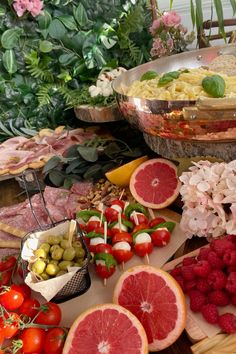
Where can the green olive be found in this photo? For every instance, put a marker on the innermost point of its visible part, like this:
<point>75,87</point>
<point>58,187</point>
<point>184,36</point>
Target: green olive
<point>40,253</point>
<point>57,254</point>
<point>77,243</point>
<point>66,236</point>
<point>79,262</point>
<point>69,254</point>
<point>65,244</point>
<point>53,261</point>
<point>53,248</point>
<point>45,246</point>
<point>54,240</point>
<point>64,264</point>
<point>38,266</point>
<point>62,272</point>
<point>52,269</point>
<point>44,276</point>
<point>79,252</point>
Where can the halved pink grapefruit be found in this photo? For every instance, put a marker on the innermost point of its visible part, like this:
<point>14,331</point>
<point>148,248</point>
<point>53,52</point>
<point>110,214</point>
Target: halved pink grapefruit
<point>155,183</point>
<point>157,300</point>
<point>106,329</point>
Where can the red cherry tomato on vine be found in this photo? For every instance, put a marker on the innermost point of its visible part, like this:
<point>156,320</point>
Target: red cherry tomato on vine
<point>7,262</point>
<point>122,255</point>
<point>122,236</point>
<point>118,202</point>
<point>160,237</point>
<point>5,277</point>
<point>142,219</point>
<point>104,248</point>
<point>103,272</point>
<point>29,308</point>
<point>10,324</point>
<point>54,341</point>
<point>33,340</point>
<point>141,249</point>
<point>156,221</point>
<point>92,225</point>
<point>49,314</point>
<point>111,214</point>
<point>25,290</point>
<point>2,337</point>
<point>11,297</point>
<point>140,227</point>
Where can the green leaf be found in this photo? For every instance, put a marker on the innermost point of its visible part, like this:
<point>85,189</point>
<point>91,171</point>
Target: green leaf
<point>67,59</point>
<point>9,61</point>
<point>5,130</point>
<point>10,37</point>
<point>80,15</point>
<point>168,77</point>
<point>45,46</point>
<point>44,20</point>
<point>68,22</point>
<point>233,4</point>
<point>149,75</point>
<point>56,177</point>
<point>73,165</point>
<point>171,4</point>
<point>214,85</point>
<point>199,14</point>
<point>92,172</point>
<point>56,29</point>
<point>88,153</point>
<point>67,183</point>
<point>51,164</point>
<point>107,258</point>
<point>220,16</point>
<point>192,11</point>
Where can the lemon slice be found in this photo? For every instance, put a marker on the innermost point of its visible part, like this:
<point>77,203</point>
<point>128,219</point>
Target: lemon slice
<point>121,175</point>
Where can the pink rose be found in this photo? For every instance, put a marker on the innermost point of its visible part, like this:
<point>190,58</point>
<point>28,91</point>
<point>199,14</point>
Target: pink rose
<point>170,44</point>
<point>158,48</point>
<point>155,26</point>
<point>171,19</point>
<point>33,6</point>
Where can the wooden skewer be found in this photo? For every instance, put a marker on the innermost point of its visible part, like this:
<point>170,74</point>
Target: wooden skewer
<point>100,206</point>
<point>105,281</point>
<point>151,213</point>
<point>135,218</point>
<point>147,258</point>
<point>121,194</point>
<point>119,222</point>
<point>105,232</point>
<point>100,224</point>
<point>71,231</point>
<point>123,266</point>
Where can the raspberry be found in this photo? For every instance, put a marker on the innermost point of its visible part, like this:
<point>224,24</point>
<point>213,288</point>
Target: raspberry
<point>230,269</point>
<point>190,285</point>
<point>233,300</point>
<point>187,273</point>
<point>215,261</point>
<point>227,323</point>
<point>217,279</point>
<point>202,285</point>
<point>231,283</point>
<point>229,258</point>
<point>203,253</point>
<point>175,271</point>
<point>210,313</point>
<point>180,281</point>
<point>231,238</point>
<point>221,246</point>
<point>197,300</point>
<point>218,298</point>
<point>202,269</point>
<point>189,261</point>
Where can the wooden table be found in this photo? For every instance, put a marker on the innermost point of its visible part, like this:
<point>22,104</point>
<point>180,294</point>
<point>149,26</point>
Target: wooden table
<point>11,193</point>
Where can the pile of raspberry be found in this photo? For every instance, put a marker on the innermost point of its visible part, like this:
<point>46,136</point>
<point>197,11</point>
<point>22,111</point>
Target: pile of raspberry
<point>210,281</point>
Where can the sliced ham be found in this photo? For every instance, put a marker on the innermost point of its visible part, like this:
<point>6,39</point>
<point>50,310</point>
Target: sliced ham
<point>14,158</point>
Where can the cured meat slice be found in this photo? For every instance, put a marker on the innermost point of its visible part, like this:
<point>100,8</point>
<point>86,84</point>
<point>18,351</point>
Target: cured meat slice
<point>82,188</point>
<point>13,143</point>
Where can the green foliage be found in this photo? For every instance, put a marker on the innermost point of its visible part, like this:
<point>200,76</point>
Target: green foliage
<point>47,63</point>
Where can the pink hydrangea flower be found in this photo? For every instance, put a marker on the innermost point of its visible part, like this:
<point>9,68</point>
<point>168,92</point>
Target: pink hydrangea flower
<point>158,48</point>
<point>33,6</point>
<point>171,19</point>
<point>155,26</point>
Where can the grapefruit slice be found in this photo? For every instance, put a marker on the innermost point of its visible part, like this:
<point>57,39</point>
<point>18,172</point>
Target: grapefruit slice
<point>106,329</point>
<point>157,300</point>
<point>155,183</point>
<point>121,175</point>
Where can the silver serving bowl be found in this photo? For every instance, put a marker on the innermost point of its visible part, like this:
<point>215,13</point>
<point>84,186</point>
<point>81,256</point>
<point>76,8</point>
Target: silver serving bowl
<point>178,119</point>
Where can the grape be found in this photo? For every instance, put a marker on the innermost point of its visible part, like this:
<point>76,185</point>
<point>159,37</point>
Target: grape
<point>57,254</point>
<point>77,243</point>
<point>69,254</point>
<point>38,266</point>
<point>44,276</point>
<point>52,269</point>
<point>64,264</point>
<point>79,262</point>
<point>53,261</point>
<point>54,247</point>
<point>54,240</point>
<point>40,253</point>
<point>62,272</point>
<point>79,252</point>
<point>65,244</point>
<point>45,246</point>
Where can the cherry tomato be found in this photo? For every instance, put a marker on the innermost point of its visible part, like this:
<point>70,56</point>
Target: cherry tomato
<point>122,236</point>
<point>5,277</point>
<point>7,262</point>
<point>33,340</point>
<point>49,314</point>
<point>142,219</point>
<point>141,249</point>
<point>160,237</point>
<point>54,341</point>
<point>122,255</point>
<point>111,214</point>
<point>100,230</point>
<point>29,308</point>
<point>25,290</point>
<point>104,248</point>
<point>156,221</point>
<point>103,272</point>
<point>10,324</point>
<point>118,202</point>
<point>11,297</point>
<point>140,227</point>
<point>92,225</point>
<point>82,227</point>
<point>2,336</point>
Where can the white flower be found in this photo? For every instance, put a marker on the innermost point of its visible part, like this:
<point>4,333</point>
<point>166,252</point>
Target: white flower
<point>94,91</point>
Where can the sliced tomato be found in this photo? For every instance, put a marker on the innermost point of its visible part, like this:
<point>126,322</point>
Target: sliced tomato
<point>104,272</point>
<point>104,248</point>
<point>122,236</point>
<point>7,262</point>
<point>156,221</point>
<point>160,237</point>
<point>122,255</point>
<point>92,225</point>
<point>141,249</point>
<point>11,297</point>
<point>111,214</point>
<point>141,218</point>
<point>10,324</point>
<point>140,227</point>
<point>29,308</point>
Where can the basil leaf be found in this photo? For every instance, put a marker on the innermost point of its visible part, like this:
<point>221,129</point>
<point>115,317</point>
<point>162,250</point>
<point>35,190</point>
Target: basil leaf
<point>149,75</point>
<point>168,77</point>
<point>214,85</point>
<point>107,258</point>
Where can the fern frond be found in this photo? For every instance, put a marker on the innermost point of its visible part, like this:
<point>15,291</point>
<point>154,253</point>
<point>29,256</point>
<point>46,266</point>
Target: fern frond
<point>37,67</point>
<point>43,95</point>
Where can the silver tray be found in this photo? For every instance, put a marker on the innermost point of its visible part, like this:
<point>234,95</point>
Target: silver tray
<point>178,119</point>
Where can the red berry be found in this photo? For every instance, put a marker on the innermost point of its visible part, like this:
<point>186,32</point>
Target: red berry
<point>233,300</point>
<point>230,269</point>
<point>231,238</point>
<point>175,271</point>
<point>221,246</point>
<point>190,285</point>
<point>202,269</point>
<point>218,298</point>
<point>202,285</point>
<point>187,272</point>
<point>203,254</point>
<point>180,281</point>
<point>188,261</point>
<point>210,313</point>
<point>217,279</point>
<point>231,283</point>
<point>227,323</point>
<point>215,261</point>
<point>229,258</point>
<point>197,300</point>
